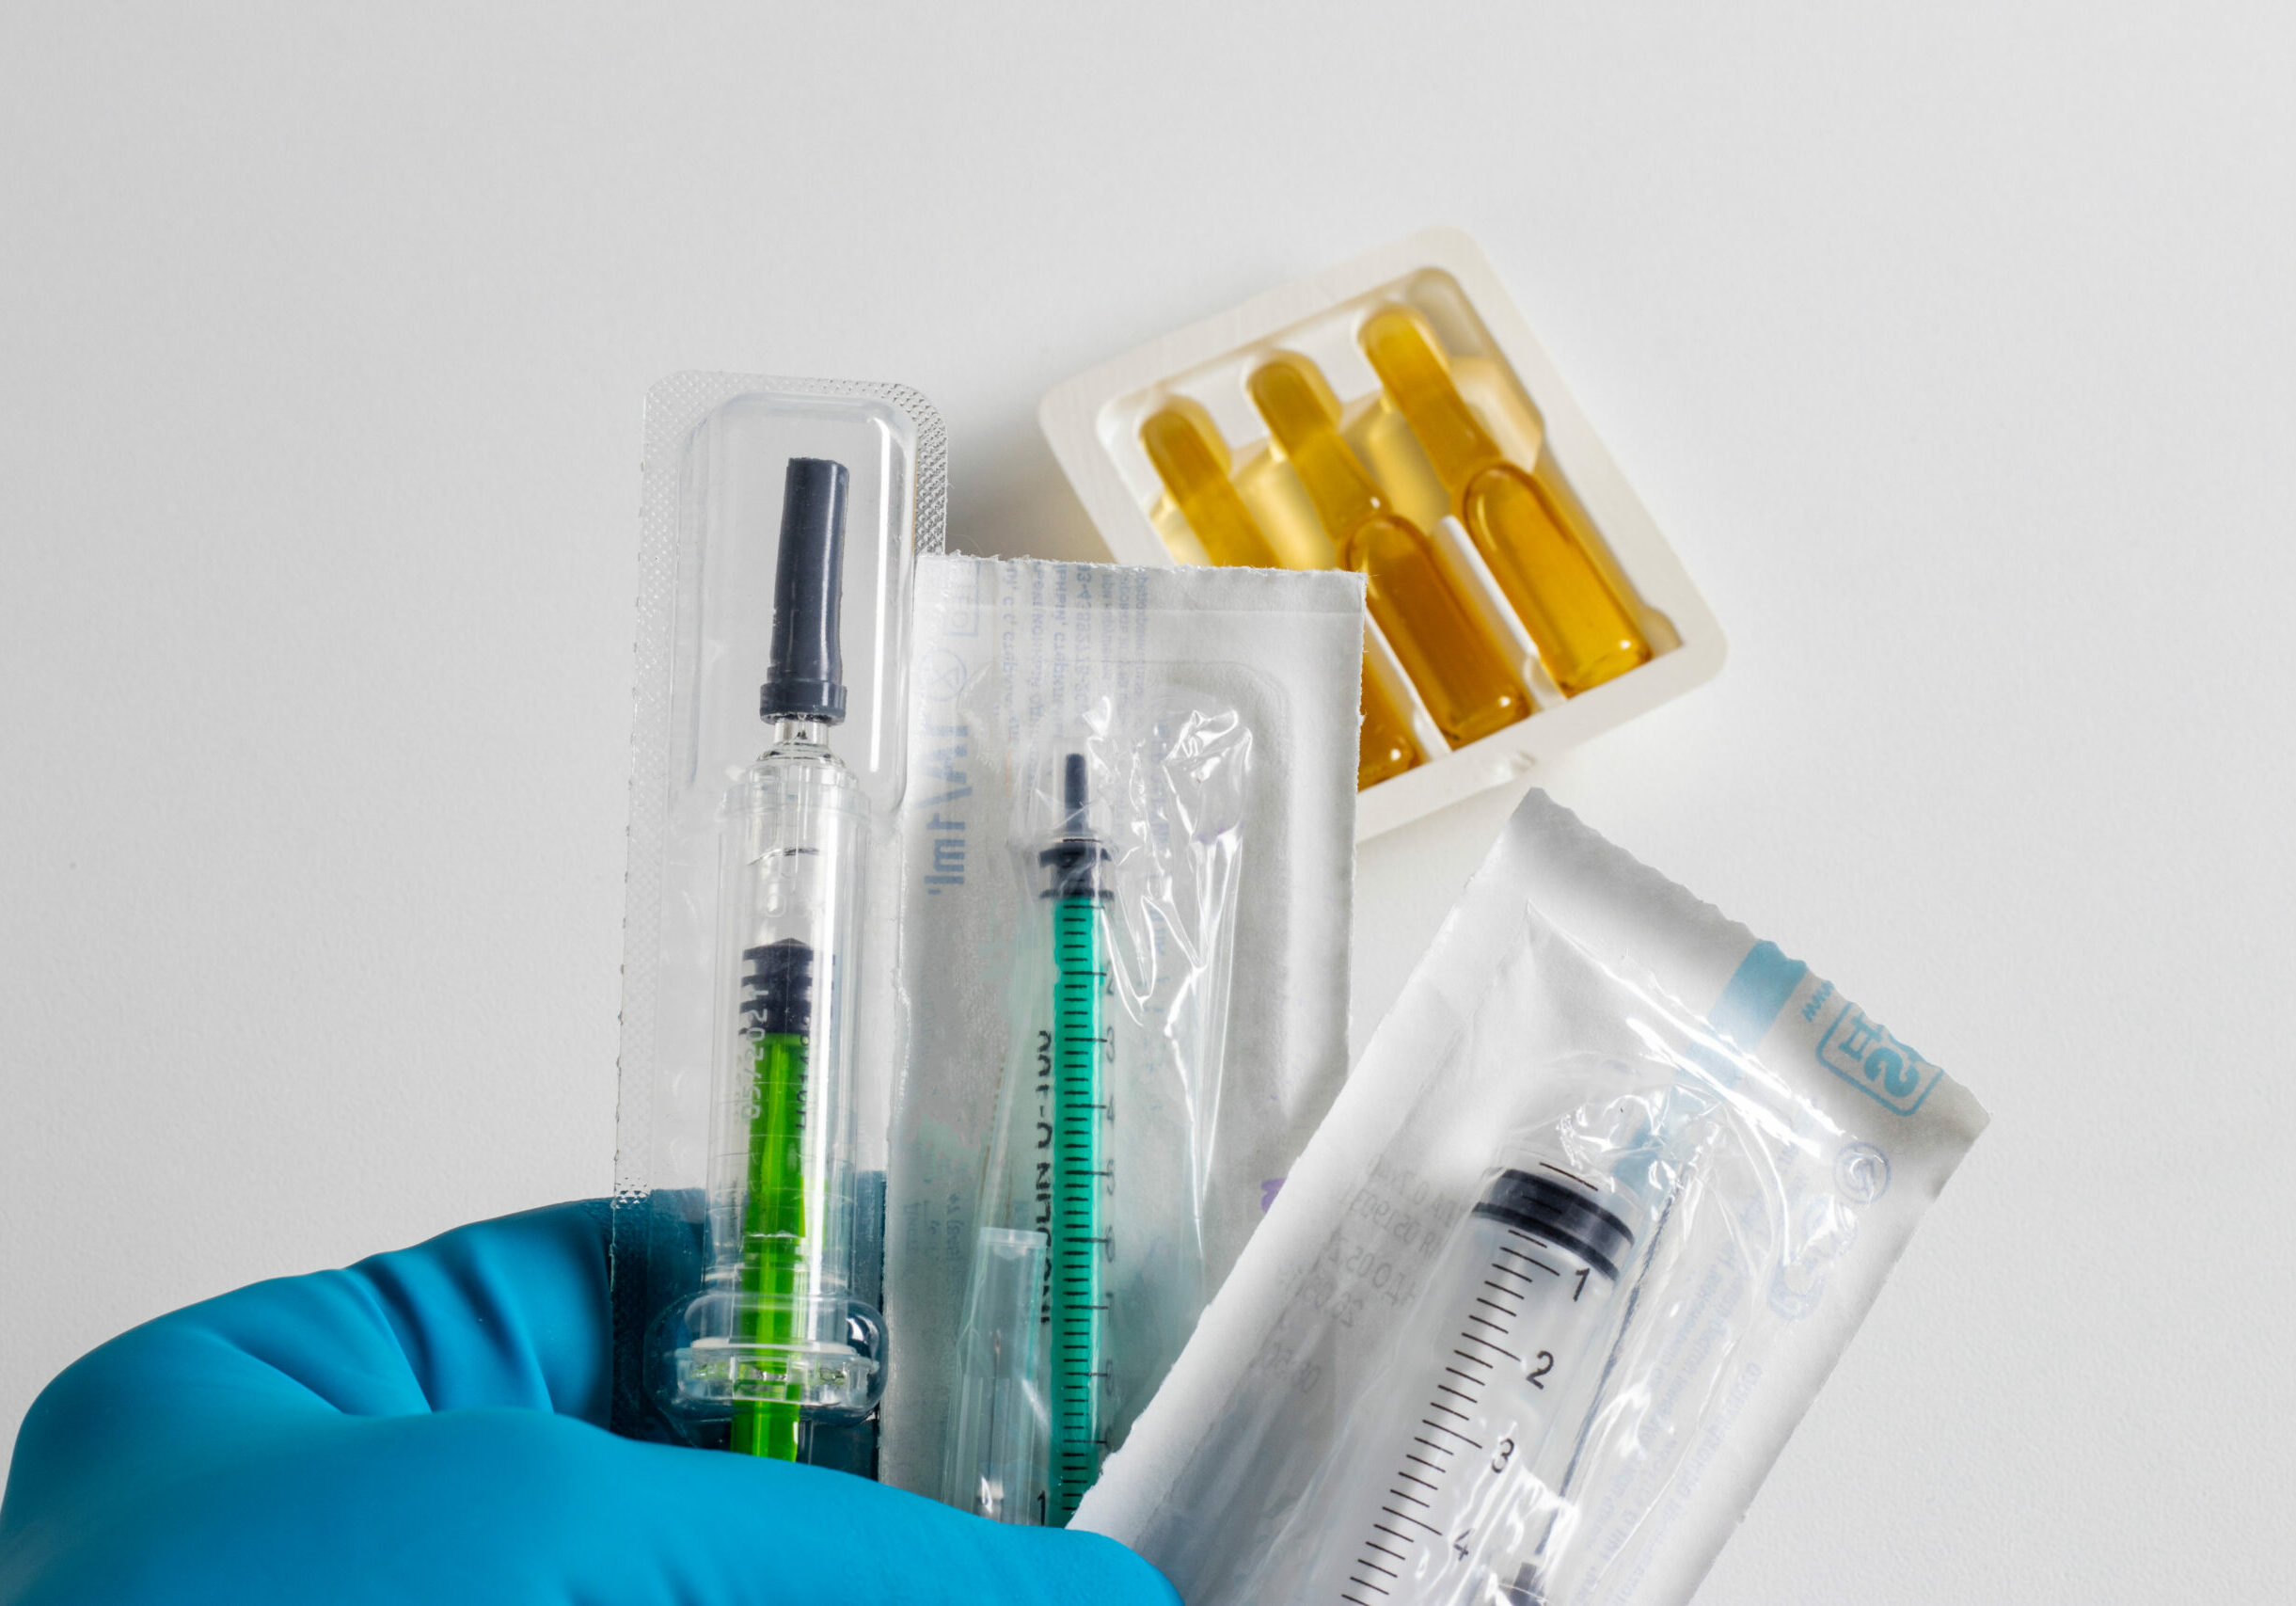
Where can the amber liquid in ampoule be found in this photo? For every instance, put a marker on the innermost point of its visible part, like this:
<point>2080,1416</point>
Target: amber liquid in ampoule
<point>1384,748</point>
<point>1585,633</point>
<point>1192,461</point>
<point>1461,674</point>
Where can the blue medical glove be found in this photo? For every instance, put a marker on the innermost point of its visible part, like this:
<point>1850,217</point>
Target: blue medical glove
<point>425,1426</point>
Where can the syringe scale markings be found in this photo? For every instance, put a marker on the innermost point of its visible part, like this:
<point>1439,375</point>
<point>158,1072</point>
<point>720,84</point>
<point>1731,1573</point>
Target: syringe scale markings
<point>1532,1259</point>
<point>1483,1422</point>
<point>1453,1432</point>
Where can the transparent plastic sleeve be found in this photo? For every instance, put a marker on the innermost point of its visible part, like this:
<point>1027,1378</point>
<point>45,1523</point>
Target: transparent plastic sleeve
<point>1004,1427</point>
<point>1560,1273</point>
<point>1129,847</point>
<point>1128,852</point>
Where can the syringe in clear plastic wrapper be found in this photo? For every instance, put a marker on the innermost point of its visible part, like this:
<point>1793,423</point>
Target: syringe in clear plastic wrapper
<point>1039,1298</point>
<point>775,1331</point>
<point>1443,1497</point>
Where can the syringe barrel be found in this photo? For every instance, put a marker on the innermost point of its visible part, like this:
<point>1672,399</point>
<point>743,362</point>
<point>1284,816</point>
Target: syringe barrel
<point>1446,1486</point>
<point>773,1324</point>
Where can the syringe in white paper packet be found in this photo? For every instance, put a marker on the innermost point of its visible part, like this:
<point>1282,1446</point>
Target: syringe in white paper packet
<point>1586,1230</point>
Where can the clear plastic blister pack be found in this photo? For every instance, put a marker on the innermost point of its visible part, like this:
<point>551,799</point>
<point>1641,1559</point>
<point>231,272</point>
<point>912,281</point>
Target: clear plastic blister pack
<point>1559,1274</point>
<point>763,1010</point>
<point>1129,811</point>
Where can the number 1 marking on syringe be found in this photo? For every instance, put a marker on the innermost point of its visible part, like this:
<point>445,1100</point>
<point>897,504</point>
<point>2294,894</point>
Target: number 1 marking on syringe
<point>1459,1384</point>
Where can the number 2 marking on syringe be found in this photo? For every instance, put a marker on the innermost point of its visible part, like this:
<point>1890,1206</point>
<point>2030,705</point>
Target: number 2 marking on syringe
<point>1497,1307</point>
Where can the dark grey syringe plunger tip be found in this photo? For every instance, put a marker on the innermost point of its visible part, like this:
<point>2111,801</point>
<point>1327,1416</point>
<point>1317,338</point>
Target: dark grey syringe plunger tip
<point>805,677</point>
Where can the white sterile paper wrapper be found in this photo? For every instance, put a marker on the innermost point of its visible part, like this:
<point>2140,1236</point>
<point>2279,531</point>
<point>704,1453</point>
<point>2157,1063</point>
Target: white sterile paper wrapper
<point>1218,711</point>
<point>1591,1222</point>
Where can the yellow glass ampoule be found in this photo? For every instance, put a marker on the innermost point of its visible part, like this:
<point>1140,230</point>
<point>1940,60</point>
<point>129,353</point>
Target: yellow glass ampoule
<point>1462,675</point>
<point>1585,633</point>
<point>1192,461</point>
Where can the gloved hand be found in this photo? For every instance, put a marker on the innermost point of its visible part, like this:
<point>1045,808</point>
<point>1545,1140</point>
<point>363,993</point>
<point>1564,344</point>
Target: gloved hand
<point>424,1427</point>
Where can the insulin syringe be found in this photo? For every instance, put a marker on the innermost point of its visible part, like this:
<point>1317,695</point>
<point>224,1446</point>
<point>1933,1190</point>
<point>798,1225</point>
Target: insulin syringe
<point>1025,1446</point>
<point>1442,1498</point>
<point>1075,870</point>
<point>771,1334</point>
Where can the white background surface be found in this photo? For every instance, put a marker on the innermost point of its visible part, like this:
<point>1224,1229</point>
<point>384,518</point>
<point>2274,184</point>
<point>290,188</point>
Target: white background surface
<point>1956,352</point>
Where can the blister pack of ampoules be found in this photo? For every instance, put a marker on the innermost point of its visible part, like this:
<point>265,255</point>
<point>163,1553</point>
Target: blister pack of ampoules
<point>1396,415</point>
<point>1591,1222</point>
<point>764,1017</point>
<point>1130,845</point>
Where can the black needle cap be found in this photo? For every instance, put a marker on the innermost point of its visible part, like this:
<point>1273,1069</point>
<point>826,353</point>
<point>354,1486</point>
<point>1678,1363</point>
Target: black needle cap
<point>806,677</point>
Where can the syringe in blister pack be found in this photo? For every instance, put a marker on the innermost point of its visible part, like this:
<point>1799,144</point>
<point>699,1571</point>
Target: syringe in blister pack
<point>775,1333</point>
<point>1442,1499</point>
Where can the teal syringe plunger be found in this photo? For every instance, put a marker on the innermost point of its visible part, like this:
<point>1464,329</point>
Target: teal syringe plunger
<point>1075,866</point>
<point>775,1336</point>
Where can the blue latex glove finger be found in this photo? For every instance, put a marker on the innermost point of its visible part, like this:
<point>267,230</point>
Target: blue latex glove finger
<point>425,1426</point>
